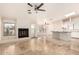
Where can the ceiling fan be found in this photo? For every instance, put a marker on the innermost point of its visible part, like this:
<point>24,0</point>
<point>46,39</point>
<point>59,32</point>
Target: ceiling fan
<point>36,7</point>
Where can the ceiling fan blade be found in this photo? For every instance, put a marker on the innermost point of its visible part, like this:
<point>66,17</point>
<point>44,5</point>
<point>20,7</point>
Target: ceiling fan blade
<point>40,5</point>
<point>30,4</point>
<point>41,9</point>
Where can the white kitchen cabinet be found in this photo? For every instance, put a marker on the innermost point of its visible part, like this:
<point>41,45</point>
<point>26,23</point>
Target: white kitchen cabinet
<point>75,34</point>
<point>61,35</point>
<point>0,28</point>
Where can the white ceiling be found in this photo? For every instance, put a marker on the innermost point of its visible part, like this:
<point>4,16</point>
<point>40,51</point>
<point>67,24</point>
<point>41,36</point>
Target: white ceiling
<point>58,10</point>
<point>53,10</point>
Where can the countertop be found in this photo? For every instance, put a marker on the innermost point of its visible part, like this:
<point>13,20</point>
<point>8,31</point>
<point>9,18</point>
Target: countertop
<point>62,31</point>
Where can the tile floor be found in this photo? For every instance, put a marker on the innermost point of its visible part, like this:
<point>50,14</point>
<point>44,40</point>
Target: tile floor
<point>38,47</point>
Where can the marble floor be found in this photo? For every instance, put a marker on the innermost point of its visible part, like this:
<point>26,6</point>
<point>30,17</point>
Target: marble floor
<point>38,47</point>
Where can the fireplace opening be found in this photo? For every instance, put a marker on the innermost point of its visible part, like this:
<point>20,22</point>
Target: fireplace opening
<point>23,32</point>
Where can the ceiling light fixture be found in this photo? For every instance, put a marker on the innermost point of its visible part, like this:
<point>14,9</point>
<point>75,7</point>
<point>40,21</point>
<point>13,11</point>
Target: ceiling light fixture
<point>70,14</point>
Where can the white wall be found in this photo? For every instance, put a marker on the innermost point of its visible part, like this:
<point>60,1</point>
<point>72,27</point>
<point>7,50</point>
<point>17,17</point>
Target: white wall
<point>17,11</point>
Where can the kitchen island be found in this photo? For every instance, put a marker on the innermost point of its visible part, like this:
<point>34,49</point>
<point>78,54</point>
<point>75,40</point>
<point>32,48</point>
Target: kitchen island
<point>61,35</point>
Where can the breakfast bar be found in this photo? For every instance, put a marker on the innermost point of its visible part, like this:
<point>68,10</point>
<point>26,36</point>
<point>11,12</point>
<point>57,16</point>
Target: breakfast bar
<point>61,35</point>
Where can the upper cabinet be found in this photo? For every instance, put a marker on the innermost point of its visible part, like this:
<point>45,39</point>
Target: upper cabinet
<point>71,23</point>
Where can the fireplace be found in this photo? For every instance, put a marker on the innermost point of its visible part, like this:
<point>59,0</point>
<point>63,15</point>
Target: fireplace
<point>23,32</point>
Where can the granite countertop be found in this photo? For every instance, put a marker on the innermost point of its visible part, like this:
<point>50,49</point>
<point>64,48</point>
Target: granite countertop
<point>61,31</point>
